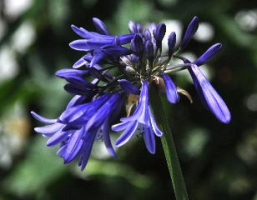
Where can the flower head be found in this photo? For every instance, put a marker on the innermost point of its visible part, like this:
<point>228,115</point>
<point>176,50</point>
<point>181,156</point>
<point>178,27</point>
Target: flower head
<point>100,95</point>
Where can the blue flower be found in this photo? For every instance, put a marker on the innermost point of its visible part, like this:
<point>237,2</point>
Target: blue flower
<point>100,95</point>
<point>80,125</point>
<point>141,121</point>
<point>209,96</point>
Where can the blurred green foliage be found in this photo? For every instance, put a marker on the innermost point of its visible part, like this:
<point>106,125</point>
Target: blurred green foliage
<point>219,161</point>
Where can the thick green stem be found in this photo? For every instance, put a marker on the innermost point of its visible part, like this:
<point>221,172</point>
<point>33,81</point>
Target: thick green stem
<point>168,144</point>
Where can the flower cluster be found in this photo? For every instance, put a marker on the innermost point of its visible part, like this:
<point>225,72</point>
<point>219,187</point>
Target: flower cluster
<point>117,71</point>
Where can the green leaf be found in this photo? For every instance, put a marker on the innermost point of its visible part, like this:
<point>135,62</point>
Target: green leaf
<point>168,145</point>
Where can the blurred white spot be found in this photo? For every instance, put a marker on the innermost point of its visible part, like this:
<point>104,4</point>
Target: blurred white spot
<point>8,64</point>
<point>204,33</point>
<point>251,102</point>
<point>172,26</point>
<point>247,20</point>
<point>14,128</point>
<point>14,8</point>
<point>23,37</point>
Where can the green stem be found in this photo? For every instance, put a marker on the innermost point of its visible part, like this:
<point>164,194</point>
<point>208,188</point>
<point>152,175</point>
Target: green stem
<point>168,144</point>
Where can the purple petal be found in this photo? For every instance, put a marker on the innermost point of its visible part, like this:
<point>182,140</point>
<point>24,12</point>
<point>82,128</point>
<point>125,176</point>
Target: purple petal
<point>137,44</point>
<point>86,45</point>
<point>132,27</point>
<point>57,137</point>
<point>128,87</point>
<point>81,32</point>
<point>100,26</point>
<point>49,129</point>
<point>79,63</point>
<point>155,128</point>
<point>191,30</point>
<point>67,73</point>
<point>171,43</point>
<point>171,89</point>
<point>147,34</point>
<point>106,138</point>
<point>87,148</point>
<point>209,95</point>
<point>160,32</point>
<point>207,55</point>
<point>141,112</point>
<point>77,99</point>
<point>127,134</point>
<point>98,56</point>
<point>121,126</point>
<point>74,145</point>
<point>73,113</point>
<point>115,50</point>
<point>149,48</point>
<point>102,113</point>
<point>149,139</point>
<point>43,119</point>
<point>124,39</point>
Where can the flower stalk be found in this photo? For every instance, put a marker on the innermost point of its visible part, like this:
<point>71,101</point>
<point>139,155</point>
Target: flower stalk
<point>157,105</point>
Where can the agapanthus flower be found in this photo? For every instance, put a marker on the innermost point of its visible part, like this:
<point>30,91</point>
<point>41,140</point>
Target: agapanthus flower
<point>100,95</point>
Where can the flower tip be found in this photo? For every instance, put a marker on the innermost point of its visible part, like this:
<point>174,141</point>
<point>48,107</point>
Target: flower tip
<point>75,28</point>
<point>195,18</point>
<point>36,129</point>
<point>32,113</point>
<point>226,119</point>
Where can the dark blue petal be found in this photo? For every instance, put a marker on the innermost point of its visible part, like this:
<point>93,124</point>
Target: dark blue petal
<point>76,112</point>
<point>67,73</point>
<point>99,74</point>
<point>102,113</point>
<point>100,26</point>
<point>128,87</point>
<point>191,29</point>
<point>149,139</point>
<point>171,43</point>
<point>87,148</point>
<point>207,55</point>
<point>42,119</point>
<point>171,89</point>
<point>78,90</point>
<point>159,33</point>
<point>149,48</point>
<point>137,44</point>
<point>127,134</point>
<point>209,95</point>
<point>106,138</point>
<point>98,56</point>
<point>116,50</point>
<point>124,39</point>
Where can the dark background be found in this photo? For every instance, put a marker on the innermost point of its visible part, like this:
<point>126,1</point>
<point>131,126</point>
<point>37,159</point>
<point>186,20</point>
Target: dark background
<point>219,161</point>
